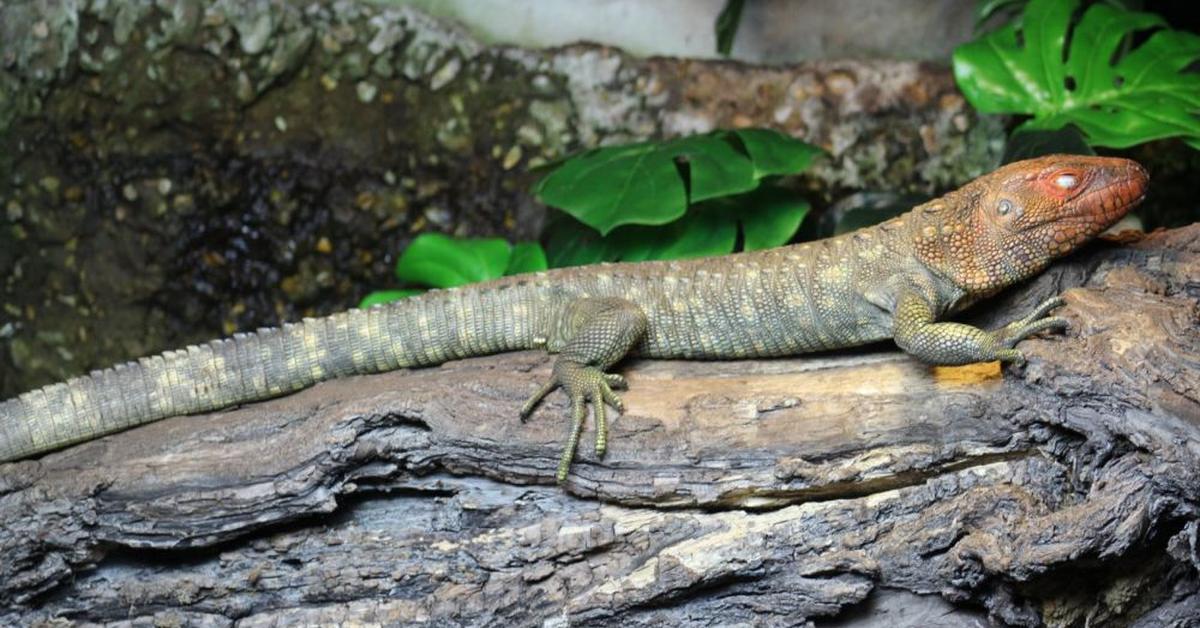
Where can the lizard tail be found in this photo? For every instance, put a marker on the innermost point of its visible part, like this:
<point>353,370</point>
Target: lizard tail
<point>419,331</point>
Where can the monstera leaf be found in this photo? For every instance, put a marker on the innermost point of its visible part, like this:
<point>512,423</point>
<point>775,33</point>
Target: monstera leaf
<point>652,183</point>
<point>1117,97</point>
<point>439,261</point>
<point>767,216</point>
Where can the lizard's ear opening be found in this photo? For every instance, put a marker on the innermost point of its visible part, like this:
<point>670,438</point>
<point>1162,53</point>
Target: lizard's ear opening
<point>1008,211</point>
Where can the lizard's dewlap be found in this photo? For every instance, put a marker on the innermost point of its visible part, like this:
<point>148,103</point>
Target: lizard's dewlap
<point>896,280</point>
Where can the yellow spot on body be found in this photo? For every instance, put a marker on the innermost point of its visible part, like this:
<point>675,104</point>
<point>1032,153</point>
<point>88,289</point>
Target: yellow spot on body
<point>832,272</point>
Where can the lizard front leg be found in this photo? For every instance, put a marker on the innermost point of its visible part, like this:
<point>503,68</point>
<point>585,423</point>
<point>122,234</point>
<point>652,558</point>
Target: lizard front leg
<point>916,331</point>
<point>590,335</point>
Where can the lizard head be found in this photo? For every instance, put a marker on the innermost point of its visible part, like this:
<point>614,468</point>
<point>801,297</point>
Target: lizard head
<point>1011,223</point>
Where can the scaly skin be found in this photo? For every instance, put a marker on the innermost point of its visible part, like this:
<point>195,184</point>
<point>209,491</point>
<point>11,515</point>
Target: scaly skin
<point>893,280</point>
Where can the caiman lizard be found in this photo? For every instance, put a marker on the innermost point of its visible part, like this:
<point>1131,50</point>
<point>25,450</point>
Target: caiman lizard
<point>898,280</point>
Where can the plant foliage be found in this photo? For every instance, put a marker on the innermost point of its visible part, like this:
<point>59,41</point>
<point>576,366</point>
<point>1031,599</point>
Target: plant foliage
<point>653,183</point>
<point>690,197</point>
<point>985,10</point>
<point>765,217</point>
<point>439,261</point>
<point>1118,95</point>
<point>726,25</point>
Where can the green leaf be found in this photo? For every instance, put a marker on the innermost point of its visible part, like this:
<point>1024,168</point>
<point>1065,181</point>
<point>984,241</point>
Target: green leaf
<point>440,261</point>
<point>386,296</point>
<point>641,183</point>
<point>608,187</point>
<point>526,257</point>
<point>770,217</point>
<point>698,234</point>
<point>572,243</point>
<point>727,24</point>
<point>1036,143</point>
<point>986,9</point>
<point>1117,98</point>
<point>652,183</point>
<point>775,153</point>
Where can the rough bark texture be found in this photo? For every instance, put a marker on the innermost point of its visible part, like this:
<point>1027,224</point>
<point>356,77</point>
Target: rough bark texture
<point>1063,492</point>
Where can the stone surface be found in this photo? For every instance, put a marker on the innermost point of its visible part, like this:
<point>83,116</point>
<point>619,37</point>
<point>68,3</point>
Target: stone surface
<point>1063,492</point>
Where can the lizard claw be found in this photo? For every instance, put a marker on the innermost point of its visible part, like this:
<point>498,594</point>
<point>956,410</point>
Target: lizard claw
<point>583,384</point>
<point>615,381</point>
<point>1011,356</point>
<point>1044,308</point>
<point>1018,330</point>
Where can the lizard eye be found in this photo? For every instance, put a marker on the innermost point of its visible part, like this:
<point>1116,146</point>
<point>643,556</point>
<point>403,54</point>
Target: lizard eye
<point>1066,181</point>
<point>1004,207</point>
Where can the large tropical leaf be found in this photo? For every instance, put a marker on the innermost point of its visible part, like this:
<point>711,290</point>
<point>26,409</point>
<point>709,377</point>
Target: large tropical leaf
<point>1117,97</point>
<point>653,183</point>
<point>439,261</point>
<point>767,216</point>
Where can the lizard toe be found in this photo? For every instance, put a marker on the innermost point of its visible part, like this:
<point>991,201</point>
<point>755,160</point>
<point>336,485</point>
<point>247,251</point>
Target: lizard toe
<point>1023,329</point>
<point>537,397</point>
<point>583,384</point>
<point>616,381</point>
<point>1045,307</point>
<point>1011,356</point>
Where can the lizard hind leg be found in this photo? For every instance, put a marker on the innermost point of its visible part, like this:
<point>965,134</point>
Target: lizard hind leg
<point>591,334</point>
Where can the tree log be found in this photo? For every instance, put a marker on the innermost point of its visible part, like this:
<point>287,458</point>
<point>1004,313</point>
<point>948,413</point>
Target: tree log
<point>853,484</point>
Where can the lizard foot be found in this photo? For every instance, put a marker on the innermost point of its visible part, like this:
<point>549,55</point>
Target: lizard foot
<point>583,384</point>
<point>1008,336</point>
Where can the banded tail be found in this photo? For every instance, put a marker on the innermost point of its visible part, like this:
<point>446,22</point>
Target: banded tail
<point>419,331</point>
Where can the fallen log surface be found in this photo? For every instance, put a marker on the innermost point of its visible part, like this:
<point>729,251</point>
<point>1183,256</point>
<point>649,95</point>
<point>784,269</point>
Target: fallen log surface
<point>850,485</point>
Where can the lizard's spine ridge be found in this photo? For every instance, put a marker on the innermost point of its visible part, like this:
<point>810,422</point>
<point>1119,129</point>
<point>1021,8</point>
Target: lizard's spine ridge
<point>270,362</point>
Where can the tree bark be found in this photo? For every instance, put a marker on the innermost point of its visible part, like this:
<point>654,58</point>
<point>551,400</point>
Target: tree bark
<point>853,484</point>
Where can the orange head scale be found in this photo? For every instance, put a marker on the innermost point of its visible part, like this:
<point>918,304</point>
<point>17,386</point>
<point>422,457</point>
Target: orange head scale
<point>1010,224</point>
